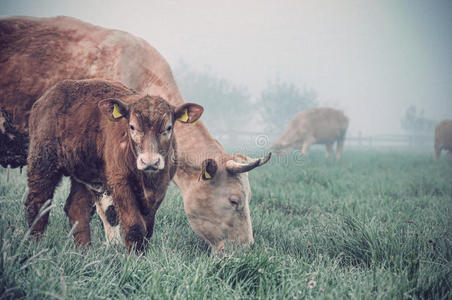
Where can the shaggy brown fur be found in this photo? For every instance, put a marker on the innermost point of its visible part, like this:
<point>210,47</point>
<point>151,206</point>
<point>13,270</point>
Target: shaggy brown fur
<point>443,138</point>
<point>74,133</point>
<point>28,67</point>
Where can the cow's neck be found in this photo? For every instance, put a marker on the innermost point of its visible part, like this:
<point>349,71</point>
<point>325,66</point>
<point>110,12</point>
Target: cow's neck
<point>163,87</point>
<point>194,144</point>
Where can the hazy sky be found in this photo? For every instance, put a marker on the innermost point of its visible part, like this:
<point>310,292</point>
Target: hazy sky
<point>371,58</point>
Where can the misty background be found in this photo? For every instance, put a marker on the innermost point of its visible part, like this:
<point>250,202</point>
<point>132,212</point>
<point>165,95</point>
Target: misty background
<point>255,64</point>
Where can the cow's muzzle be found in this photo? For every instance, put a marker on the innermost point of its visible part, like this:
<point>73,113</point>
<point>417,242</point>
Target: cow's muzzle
<point>151,164</point>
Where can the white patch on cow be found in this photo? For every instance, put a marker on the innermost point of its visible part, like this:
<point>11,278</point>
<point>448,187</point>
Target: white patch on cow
<point>123,145</point>
<point>2,124</point>
<point>112,233</point>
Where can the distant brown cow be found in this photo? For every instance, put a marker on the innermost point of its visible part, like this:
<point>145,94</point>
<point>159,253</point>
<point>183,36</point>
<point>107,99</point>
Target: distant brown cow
<point>107,135</point>
<point>320,125</point>
<point>443,138</point>
<point>36,53</point>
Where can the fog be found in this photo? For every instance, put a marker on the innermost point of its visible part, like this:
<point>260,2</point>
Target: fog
<point>373,59</point>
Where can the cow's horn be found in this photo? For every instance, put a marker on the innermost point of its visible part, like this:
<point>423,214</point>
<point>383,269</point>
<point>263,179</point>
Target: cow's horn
<point>235,167</point>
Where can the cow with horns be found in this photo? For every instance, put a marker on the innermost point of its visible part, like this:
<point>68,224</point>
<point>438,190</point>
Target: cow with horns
<point>36,53</point>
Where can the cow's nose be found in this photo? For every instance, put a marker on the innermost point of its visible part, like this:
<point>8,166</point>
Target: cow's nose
<point>143,162</point>
<point>155,163</point>
<point>150,165</point>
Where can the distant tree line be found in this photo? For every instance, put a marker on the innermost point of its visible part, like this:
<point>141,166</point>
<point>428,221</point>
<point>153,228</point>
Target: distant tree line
<point>280,102</point>
<point>230,107</point>
<point>415,123</point>
<point>226,106</point>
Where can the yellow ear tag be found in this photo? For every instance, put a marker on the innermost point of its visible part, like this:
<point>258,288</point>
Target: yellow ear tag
<point>116,113</point>
<point>205,177</point>
<point>184,117</point>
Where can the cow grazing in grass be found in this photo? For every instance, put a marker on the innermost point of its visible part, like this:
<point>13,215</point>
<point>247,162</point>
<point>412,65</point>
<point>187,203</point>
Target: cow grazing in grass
<point>320,125</point>
<point>36,53</point>
<point>106,135</point>
<point>443,138</point>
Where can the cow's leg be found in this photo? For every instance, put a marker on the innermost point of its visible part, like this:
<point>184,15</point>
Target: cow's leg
<point>109,217</point>
<point>306,144</point>
<point>132,222</point>
<point>150,217</point>
<point>340,148</point>
<point>79,209</point>
<point>43,177</point>
<point>437,150</point>
<point>329,150</point>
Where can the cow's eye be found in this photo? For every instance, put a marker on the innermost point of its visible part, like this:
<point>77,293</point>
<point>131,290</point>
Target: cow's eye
<point>233,202</point>
<point>132,127</point>
<point>167,130</point>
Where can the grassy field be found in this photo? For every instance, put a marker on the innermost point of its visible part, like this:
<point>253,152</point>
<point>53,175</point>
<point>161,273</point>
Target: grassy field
<point>377,225</point>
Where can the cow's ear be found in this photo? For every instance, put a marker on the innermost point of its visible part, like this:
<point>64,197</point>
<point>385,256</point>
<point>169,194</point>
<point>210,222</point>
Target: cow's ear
<point>188,112</point>
<point>208,169</point>
<point>113,109</point>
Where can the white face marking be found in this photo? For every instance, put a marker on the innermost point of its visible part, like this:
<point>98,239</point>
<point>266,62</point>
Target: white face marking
<point>147,159</point>
<point>150,162</point>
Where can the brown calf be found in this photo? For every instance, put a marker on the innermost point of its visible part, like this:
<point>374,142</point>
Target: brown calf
<point>103,134</point>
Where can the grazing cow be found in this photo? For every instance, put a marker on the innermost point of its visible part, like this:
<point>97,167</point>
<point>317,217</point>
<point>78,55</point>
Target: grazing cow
<point>443,138</point>
<point>106,135</point>
<point>36,53</point>
<point>322,125</point>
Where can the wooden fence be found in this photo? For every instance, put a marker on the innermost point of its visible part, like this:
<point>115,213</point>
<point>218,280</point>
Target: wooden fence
<point>410,141</point>
<point>265,140</point>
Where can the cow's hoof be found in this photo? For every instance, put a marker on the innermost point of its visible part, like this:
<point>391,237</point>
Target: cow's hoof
<point>135,237</point>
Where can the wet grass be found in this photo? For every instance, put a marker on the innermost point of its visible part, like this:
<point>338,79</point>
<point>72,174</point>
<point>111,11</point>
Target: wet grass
<point>376,225</point>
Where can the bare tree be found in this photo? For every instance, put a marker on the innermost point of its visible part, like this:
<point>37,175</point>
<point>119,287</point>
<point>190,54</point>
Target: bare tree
<point>279,103</point>
<point>415,123</point>
<point>227,107</point>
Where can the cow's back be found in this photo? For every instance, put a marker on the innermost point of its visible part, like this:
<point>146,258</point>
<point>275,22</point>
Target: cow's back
<point>35,54</point>
<point>324,124</point>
